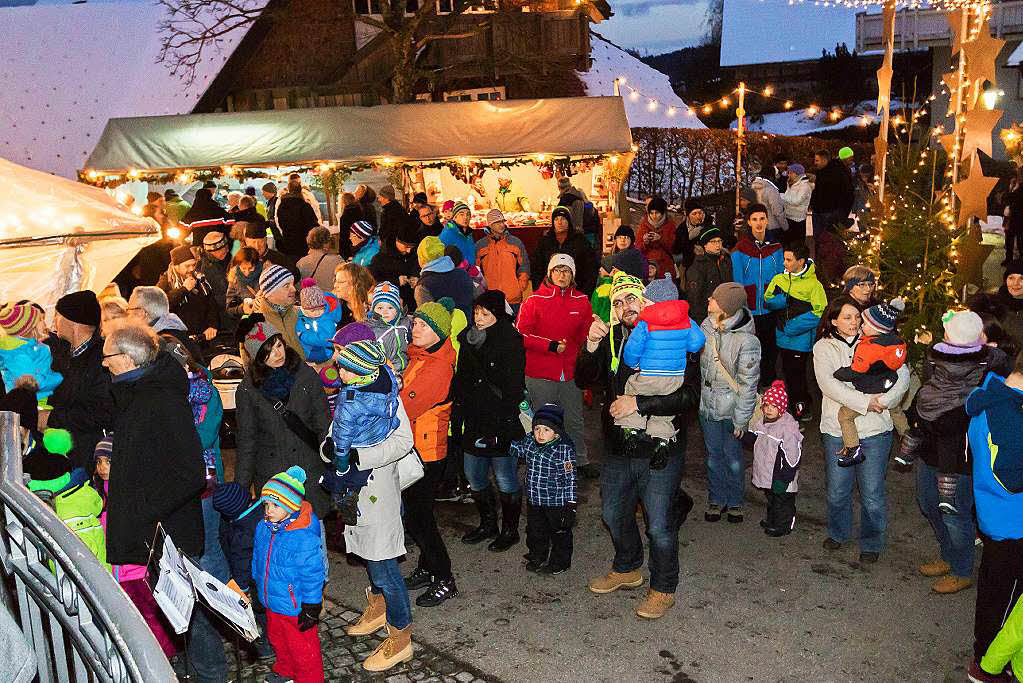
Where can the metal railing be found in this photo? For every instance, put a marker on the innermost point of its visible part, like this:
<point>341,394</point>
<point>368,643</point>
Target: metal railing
<point>921,28</point>
<point>79,622</point>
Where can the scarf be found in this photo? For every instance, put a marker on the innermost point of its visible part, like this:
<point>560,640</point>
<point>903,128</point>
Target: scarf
<point>277,385</point>
<point>656,224</point>
<point>475,336</point>
<point>252,280</point>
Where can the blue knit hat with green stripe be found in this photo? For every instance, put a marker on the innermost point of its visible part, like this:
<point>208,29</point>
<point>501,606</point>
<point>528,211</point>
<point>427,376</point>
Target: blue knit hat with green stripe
<point>286,489</point>
<point>364,358</point>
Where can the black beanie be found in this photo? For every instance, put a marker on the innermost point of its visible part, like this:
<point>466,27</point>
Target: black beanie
<point>626,231</point>
<point>564,212</point>
<point>80,307</point>
<point>493,300</point>
<point>181,254</point>
<point>550,415</point>
<point>408,232</point>
<point>693,205</point>
<point>657,204</point>
<point>1013,268</point>
<point>255,231</point>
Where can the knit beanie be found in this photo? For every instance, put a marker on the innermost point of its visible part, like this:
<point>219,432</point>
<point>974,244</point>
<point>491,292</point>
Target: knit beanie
<point>859,274</point>
<point>493,300</point>
<point>459,206</point>
<point>448,205</point>
<point>254,231</point>
<point>883,317</point>
<point>361,357</point>
<point>104,447</point>
<point>798,169</point>
<point>437,314</point>
<point>274,277</point>
<point>181,254</point>
<point>845,153</point>
<point>80,307</point>
<point>230,499</point>
<point>430,249</point>
<point>777,396</point>
<point>564,184</point>
<point>657,204</point>
<point>287,489</point>
<point>213,241</point>
<point>494,216</point>
<point>363,229</point>
<point>550,415</point>
<point>22,402</point>
<point>708,235</point>
<point>311,297</point>
<point>730,297</point>
<point>261,333</point>
<point>561,260</point>
<point>385,293</point>
<point>962,328</point>
<point>693,205</point>
<point>18,320</point>
<point>626,231</point>
<point>661,289</point>
<point>408,233</point>
<point>623,284</point>
<point>420,198</point>
<point>1013,268</point>
<point>352,332</point>
<point>563,212</point>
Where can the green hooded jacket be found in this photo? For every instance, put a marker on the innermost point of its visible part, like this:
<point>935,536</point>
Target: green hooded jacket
<point>79,508</point>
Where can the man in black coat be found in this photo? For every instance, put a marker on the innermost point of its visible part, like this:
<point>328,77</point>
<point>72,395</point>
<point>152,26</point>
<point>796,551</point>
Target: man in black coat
<point>206,216</point>
<point>214,262</point>
<point>392,215</point>
<point>190,294</point>
<point>634,468</point>
<point>832,197</point>
<point>427,223</point>
<point>397,263</point>
<point>295,218</point>
<point>82,403</point>
<point>563,239</point>
<point>255,237</point>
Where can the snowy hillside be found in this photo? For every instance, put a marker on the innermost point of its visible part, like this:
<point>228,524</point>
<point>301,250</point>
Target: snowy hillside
<point>799,122</point>
<point>69,68</point>
<point>649,105</point>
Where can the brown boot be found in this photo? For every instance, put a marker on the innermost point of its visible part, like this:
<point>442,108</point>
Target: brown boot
<point>655,604</point>
<point>947,585</point>
<point>395,649</point>
<point>936,568</point>
<point>373,617</point>
<point>612,581</point>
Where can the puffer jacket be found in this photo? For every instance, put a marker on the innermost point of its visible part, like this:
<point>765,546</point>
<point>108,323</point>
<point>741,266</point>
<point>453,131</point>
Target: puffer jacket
<point>505,265</point>
<point>800,301</point>
<point>315,333</point>
<point>549,316</point>
<point>393,338</point>
<point>426,396</point>
<point>996,440</point>
<point>366,252</point>
<point>739,350</point>
<point>287,567</point>
<point>776,440</point>
<point>79,508</point>
<point>949,375</point>
<point>366,415</point>
<point>453,236</point>
<point>797,199</point>
<point>768,195</point>
<point>20,356</point>
<point>663,336</point>
<point>753,266</point>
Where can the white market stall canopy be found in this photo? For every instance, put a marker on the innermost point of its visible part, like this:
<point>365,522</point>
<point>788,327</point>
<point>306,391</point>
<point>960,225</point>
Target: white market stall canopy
<point>404,133</point>
<point>57,235</point>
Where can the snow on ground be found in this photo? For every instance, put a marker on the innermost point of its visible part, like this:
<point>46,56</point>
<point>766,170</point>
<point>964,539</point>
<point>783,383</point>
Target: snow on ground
<point>799,122</point>
<point>69,68</point>
<point>649,104</point>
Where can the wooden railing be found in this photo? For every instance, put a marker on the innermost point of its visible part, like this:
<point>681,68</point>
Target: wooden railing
<point>922,28</point>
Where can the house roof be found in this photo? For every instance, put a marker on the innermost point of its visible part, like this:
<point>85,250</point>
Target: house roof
<point>69,68</point>
<point>765,31</point>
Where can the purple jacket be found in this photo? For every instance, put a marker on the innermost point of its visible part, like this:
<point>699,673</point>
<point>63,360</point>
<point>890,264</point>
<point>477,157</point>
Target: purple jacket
<point>777,439</point>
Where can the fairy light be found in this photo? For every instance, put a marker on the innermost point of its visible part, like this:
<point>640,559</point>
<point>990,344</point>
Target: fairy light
<point>707,109</point>
<point>812,110</point>
<point>725,102</point>
<point>788,104</point>
<point>768,91</point>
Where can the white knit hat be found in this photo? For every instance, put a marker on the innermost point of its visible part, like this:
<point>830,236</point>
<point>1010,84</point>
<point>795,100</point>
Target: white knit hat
<point>962,328</point>
<point>561,260</point>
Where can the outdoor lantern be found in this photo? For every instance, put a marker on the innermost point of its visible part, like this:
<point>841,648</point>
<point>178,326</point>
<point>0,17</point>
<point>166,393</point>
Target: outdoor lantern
<point>989,96</point>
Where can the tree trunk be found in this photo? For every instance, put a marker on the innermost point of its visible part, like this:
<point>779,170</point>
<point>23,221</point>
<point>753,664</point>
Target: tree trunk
<point>403,79</point>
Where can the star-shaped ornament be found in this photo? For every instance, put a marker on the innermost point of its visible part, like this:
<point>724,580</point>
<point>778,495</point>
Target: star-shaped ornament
<point>973,193</point>
<point>884,85</point>
<point>981,53</point>
<point>978,128</point>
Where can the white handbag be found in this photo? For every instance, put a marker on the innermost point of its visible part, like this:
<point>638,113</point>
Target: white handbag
<point>410,469</point>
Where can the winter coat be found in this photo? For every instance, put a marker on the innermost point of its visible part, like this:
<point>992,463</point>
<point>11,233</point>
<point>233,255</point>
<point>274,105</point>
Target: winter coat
<point>350,214</point>
<point>683,249</point>
<point>196,308</point>
<point>768,195</point>
<point>266,445</point>
<point>366,251</point>
<point>315,333</point>
<point>205,217</point>
<point>215,273</point>
<point>658,252</point>
<point>160,473</point>
<point>1007,647</point>
<point>996,441</point>
<point>287,561</point>
<point>663,336</point>
<point>365,415</point>
<point>776,440</point>
<point>393,338</point>
<point>488,387</point>
<point>831,256</point>
<point>207,414</point>
<point>549,316</point>
<point>389,265</point>
<point>600,300</point>
<point>832,352</point>
<point>439,279</point>
<point>237,292</point>
<point>172,325</point>
<point>629,260</point>
<point>175,210</point>
<point>79,508</point>
<point>576,246</point>
<point>800,301</point>
<point>392,217</point>
<point>426,396</point>
<point>286,322</point>
<point>797,199</point>
<point>875,361</point>
<point>832,190</point>
<point>379,534</point>
<point>702,278</point>
<point>295,218</point>
<point>320,266</point>
<point>950,373</point>
<point>453,236</point>
<point>237,538</point>
<point>20,356</point>
<point>550,470</point>
<point>739,350</point>
<point>753,267</point>
<point>83,403</point>
<point>505,266</point>
<point>1011,316</point>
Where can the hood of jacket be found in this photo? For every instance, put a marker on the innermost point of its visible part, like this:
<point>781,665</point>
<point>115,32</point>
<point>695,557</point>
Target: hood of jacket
<point>442,264</point>
<point>674,313</point>
<point>748,246</point>
<point>163,375</point>
<point>168,322</point>
<point>79,501</point>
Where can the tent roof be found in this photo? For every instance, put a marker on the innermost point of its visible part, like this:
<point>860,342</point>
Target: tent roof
<point>406,132</point>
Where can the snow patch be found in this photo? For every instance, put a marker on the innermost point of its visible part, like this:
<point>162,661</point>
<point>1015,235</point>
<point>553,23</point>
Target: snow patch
<point>799,122</point>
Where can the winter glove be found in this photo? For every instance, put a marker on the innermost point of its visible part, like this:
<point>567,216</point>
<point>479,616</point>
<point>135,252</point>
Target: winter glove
<point>327,451</point>
<point>309,616</point>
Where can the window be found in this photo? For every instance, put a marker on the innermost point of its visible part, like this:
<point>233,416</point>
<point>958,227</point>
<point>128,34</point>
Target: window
<point>477,7</point>
<point>475,94</point>
<point>372,7</point>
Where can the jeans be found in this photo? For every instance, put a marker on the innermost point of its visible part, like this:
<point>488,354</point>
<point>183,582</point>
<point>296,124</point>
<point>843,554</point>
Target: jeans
<point>421,525</point>
<point>570,397</point>
<point>385,578</point>
<point>869,476</point>
<point>955,533</point>
<point>766,332</point>
<point>506,472</point>
<point>725,463</point>
<point>626,481</point>
<point>205,644</point>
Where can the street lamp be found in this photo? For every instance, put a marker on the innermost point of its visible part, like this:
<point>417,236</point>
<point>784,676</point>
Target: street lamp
<point>989,95</point>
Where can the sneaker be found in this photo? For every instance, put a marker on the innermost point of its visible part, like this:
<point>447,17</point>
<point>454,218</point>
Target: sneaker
<point>713,513</point>
<point>552,571</point>
<point>734,514</point>
<point>274,677</point>
<point>831,544</point>
<point>776,532</point>
<point>948,507</point>
<point>934,569</point>
<point>847,457</point>
<point>613,580</point>
<point>655,604</point>
<point>438,592</point>
<point>978,675</point>
<point>534,566</point>
<point>947,585</point>
<point>419,578</point>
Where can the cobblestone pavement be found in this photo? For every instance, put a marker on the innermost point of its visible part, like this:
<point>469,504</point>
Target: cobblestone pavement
<point>343,656</point>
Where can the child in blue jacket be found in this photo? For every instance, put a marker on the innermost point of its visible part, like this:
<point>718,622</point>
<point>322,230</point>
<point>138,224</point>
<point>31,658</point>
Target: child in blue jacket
<point>657,348</point>
<point>22,351</point>
<point>289,575</point>
<point>318,321</point>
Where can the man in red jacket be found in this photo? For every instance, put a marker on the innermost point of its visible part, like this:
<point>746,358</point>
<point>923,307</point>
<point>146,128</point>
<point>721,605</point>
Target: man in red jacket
<point>553,323</point>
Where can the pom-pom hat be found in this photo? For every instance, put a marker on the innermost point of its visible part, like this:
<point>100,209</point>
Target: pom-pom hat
<point>286,489</point>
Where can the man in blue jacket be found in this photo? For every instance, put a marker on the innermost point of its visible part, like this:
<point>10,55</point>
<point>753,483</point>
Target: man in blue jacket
<point>755,261</point>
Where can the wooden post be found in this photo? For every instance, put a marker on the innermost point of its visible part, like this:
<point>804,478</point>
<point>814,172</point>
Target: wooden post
<point>740,114</point>
<point>885,98</point>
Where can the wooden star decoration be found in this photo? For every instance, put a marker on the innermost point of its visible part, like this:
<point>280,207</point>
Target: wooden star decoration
<point>978,128</point>
<point>880,151</point>
<point>981,53</point>
<point>884,85</point>
<point>955,22</point>
<point>973,193</point>
<point>888,20</point>
<point>948,141</point>
<point>951,81</point>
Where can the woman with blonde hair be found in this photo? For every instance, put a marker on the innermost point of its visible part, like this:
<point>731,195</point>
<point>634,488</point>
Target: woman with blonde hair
<point>353,284</point>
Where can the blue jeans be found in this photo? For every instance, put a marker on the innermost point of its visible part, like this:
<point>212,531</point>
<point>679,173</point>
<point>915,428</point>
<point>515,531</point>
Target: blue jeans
<point>623,483</point>
<point>205,644</point>
<point>869,476</point>
<point>477,471</point>
<point>725,464</point>
<point>955,533</point>
<point>385,578</point>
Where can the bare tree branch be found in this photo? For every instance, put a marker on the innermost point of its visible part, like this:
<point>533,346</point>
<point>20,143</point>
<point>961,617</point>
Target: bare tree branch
<point>191,28</point>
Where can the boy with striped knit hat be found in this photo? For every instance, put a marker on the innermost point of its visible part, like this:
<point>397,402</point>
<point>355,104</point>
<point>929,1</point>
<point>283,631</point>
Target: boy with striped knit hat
<point>390,324</point>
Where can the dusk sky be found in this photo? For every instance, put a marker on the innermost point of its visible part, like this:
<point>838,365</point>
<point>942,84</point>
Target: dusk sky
<point>655,26</point>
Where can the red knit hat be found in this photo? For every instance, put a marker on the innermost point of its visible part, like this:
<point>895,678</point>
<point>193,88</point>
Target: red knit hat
<point>777,396</point>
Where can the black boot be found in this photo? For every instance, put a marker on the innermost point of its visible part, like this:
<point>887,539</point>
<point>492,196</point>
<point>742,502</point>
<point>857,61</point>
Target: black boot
<point>511,508</point>
<point>486,504</point>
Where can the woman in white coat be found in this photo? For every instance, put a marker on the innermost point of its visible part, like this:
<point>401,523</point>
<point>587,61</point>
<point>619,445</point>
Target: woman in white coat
<point>797,200</point>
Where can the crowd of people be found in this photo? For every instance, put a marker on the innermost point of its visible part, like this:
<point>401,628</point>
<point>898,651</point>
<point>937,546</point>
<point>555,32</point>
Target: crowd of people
<point>413,357</point>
